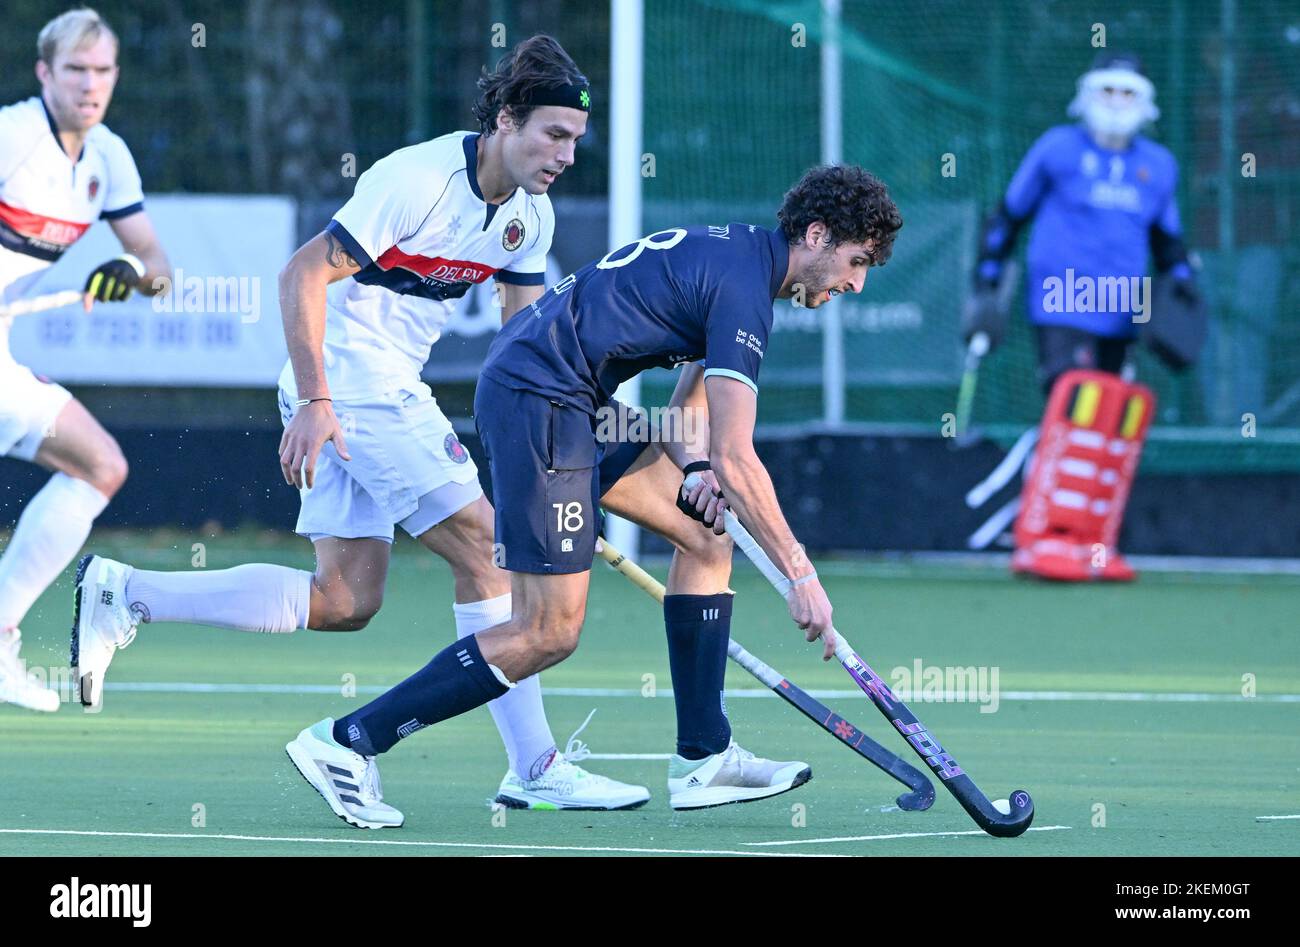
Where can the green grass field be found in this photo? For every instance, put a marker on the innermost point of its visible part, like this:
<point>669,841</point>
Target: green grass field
<point>1168,777</point>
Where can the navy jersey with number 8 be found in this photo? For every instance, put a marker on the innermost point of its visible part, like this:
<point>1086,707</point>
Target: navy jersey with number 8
<point>677,295</point>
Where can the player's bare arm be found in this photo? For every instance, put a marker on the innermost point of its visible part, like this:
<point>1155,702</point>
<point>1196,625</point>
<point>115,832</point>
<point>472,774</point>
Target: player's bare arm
<point>689,399</point>
<point>690,403</point>
<point>515,298</point>
<point>138,238</point>
<point>142,267</point>
<point>303,281</point>
<point>733,408</point>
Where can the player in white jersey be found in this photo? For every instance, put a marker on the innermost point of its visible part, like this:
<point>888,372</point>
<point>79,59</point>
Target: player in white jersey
<point>60,171</point>
<point>365,440</point>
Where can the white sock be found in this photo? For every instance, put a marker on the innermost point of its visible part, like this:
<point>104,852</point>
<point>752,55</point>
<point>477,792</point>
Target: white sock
<point>51,530</point>
<point>519,714</point>
<point>255,597</point>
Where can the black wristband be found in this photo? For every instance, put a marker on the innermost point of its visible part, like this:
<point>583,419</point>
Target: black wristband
<point>694,466</point>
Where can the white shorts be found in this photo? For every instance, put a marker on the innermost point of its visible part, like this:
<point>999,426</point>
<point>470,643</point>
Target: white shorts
<point>407,468</point>
<point>28,408</point>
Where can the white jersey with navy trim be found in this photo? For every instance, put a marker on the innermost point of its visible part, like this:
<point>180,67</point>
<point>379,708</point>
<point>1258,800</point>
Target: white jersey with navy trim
<point>47,200</point>
<point>423,235</point>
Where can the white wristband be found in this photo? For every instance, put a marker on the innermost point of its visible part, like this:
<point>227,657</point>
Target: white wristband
<point>803,579</point>
<point>135,264</point>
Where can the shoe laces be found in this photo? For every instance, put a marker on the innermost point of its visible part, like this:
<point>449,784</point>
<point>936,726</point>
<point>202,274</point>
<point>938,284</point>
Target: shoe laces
<point>575,749</point>
<point>740,755</point>
<point>120,618</point>
<point>125,621</point>
<point>564,766</point>
<point>372,790</point>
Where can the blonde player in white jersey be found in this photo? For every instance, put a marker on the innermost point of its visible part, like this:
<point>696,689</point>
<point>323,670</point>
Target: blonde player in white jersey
<point>60,171</point>
<point>365,441</point>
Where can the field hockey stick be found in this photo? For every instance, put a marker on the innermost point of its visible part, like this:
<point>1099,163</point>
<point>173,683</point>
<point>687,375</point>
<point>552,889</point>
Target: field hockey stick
<point>994,526</point>
<point>25,307</point>
<point>920,797</point>
<point>1020,807</point>
<point>1015,459</point>
<point>979,345</point>
<point>975,352</point>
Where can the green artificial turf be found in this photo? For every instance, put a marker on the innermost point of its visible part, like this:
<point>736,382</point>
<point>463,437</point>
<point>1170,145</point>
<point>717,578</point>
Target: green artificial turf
<point>1126,777</point>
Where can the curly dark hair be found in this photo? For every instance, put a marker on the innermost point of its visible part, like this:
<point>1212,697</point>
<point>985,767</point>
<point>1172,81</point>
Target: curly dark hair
<point>853,203</point>
<point>538,61</point>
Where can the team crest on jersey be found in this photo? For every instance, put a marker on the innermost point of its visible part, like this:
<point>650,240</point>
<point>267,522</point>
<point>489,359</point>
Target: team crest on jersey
<point>455,450</point>
<point>1088,163</point>
<point>513,238</point>
<point>93,187</point>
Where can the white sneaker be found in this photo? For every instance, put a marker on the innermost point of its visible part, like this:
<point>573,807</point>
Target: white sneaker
<point>734,775</point>
<point>565,785</point>
<point>348,781</point>
<point>101,623</point>
<point>15,685</point>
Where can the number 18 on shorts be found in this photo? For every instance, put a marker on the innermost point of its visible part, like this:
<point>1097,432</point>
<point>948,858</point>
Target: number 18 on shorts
<point>568,520</point>
<point>545,482</point>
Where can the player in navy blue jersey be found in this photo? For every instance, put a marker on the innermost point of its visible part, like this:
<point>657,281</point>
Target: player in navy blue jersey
<point>701,296</point>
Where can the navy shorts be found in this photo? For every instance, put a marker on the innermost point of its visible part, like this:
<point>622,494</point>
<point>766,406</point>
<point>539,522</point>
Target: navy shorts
<point>548,475</point>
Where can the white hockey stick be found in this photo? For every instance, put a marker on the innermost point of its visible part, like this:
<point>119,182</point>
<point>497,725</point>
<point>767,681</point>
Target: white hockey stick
<point>25,307</point>
<point>979,494</point>
<point>995,525</point>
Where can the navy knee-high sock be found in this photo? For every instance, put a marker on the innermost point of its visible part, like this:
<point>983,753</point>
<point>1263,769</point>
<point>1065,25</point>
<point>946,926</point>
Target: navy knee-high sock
<point>699,627</point>
<point>456,680</point>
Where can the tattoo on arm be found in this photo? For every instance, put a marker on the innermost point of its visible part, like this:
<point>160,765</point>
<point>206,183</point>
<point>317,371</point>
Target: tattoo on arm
<point>335,255</point>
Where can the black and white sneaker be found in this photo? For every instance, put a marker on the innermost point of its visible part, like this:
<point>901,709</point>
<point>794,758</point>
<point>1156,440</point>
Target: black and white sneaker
<point>346,780</point>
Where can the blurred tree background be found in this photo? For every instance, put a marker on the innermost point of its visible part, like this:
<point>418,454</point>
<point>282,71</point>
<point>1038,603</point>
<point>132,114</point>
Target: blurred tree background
<point>264,96</point>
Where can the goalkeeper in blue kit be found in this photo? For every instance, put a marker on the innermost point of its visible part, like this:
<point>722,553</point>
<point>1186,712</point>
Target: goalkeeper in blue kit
<point>1101,197</point>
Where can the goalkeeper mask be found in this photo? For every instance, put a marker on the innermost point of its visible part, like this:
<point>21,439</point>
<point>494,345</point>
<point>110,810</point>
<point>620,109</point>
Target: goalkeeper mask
<point>1114,99</point>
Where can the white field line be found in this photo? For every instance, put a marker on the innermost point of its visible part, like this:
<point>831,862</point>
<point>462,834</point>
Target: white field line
<point>401,843</point>
<point>627,756</point>
<point>189,687</point>
<point>885,563</point>
<point>894,835</point>
<point>989,564</point>
<point>1149,697</point>
<point>1270,818</point>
